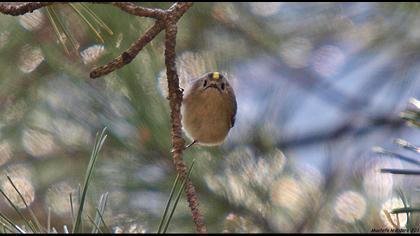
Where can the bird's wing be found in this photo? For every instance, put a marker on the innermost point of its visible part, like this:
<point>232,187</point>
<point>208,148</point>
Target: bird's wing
<point>233,118</point>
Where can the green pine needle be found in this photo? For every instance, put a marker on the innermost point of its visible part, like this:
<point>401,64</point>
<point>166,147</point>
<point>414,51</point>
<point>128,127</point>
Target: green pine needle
<point>37,225</point>
<point>168,203</point>
<point>97,18</point>
<point>100,211</point>
<point>77,10</point>
<point>108,230</point>
<point>18,211</point>
<point>86,14</point>
<point>12,224</point>
<point>56,29</point>
<point>65,30</point>
<point>96,227</point>
<point>178,197</point>
<point>99,141</point>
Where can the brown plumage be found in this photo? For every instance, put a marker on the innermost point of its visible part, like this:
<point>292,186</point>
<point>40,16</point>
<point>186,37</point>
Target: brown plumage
<point>209,109</point>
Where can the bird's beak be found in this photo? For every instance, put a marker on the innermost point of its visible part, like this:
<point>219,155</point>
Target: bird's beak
<point>213,86</point>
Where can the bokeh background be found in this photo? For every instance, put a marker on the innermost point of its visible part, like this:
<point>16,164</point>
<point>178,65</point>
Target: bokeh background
<point>320,87</point>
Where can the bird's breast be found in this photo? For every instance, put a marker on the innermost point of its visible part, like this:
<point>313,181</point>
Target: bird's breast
<point>205,116</point>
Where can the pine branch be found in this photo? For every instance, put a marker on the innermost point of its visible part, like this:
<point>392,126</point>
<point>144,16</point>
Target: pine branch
<point>139,11</point>
<point>175,101</point>
<point>127,56</point>
<point>22,8</point>
<point>165,20</point>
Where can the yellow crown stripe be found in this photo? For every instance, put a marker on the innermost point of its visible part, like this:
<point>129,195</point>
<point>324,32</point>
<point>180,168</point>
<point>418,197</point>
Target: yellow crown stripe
<point>216,75</point>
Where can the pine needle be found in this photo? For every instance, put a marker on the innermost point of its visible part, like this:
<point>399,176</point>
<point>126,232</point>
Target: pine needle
<point>73,5</point>
<point>57,31</point>
<point>100,139</point>
<point>97,18</point>
<point>12,224</point>
<point>65,30</point>
<point>37,224</point>
<point>168,203</point>
<point>18,211</point>
<point>178,197</point>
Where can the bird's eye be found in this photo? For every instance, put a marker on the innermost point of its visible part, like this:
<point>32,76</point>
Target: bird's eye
<point>205,83</point>
<point>223,86</point>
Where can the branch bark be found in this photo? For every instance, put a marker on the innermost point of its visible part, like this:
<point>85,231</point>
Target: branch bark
<point>176,11</point>
<point>133,9</point>
<point>23,8</point>
<point>128,55</point>
<point>178,143</point>
<point>165,19</point>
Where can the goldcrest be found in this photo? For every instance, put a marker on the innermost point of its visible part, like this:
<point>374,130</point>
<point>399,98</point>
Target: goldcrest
<point>209,109</point>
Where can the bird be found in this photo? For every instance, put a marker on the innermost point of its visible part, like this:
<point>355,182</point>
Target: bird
<point>208,109</point>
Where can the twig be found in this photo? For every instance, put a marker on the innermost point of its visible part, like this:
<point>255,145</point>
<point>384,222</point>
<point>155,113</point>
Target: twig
<point>165,19</point>
<point>175,11</point>
<point>128,55</point>
<point>23,8</point>
<point>139,11</point>
<point>175,101</point>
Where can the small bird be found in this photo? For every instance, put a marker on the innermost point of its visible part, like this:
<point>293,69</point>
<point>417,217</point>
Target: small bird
<point>209,109</point>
